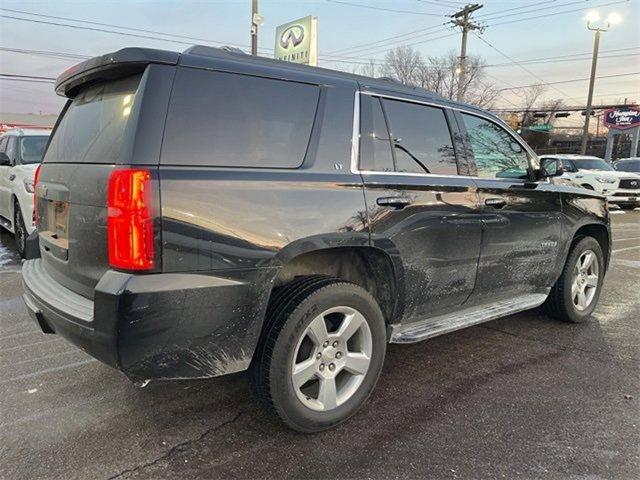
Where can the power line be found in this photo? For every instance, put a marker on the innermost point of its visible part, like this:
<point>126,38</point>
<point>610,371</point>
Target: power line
<point>519,64</point>
<point>359,5</point>
<point>26,77</point>
<point>574,80</point>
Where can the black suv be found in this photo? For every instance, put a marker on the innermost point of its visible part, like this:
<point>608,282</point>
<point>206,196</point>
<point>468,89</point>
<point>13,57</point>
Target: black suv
<point>207,212</point>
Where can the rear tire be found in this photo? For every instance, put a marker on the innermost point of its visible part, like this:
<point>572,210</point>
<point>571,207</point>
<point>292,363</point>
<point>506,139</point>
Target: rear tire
<point>320,354</point>
<point>19,230</point>
<point>575,295</point>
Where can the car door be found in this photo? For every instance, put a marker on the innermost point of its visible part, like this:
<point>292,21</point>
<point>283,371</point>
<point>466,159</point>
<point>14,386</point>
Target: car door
<point>5,191</point>
<point>521,217</point>
<point>419,207</point>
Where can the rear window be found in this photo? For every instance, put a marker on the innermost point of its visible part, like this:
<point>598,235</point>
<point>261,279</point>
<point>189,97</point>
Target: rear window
<point>232,120</point>
<point>93,127</point>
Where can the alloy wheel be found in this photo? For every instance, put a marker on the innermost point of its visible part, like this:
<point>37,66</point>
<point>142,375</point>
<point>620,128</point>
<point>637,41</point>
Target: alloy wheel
<point>331,358</point>
<point>585,280</point>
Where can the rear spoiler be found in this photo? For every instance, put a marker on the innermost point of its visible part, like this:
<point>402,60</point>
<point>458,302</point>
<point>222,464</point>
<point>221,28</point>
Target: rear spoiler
<point>110,66</point>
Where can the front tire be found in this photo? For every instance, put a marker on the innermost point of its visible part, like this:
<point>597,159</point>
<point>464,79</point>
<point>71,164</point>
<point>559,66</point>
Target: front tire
<point>575,295</point>
<point>321,353</point>
<point>19,230</point>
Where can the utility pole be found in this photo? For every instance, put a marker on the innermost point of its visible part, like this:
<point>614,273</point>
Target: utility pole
<point>254,27</point>
<point>462,19</point>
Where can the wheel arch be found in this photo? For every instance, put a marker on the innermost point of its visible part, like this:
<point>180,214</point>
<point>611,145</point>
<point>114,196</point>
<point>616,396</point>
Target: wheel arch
<point>370,267</point>
<point>600,233</point>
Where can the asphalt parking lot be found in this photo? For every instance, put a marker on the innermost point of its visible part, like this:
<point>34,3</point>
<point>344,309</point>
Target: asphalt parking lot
<point>520,397</point>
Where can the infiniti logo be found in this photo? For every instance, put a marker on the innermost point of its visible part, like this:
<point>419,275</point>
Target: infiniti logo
<point>634,184</point>
<point>293,35</point>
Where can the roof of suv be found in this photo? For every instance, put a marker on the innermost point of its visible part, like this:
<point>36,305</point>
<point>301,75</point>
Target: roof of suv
<point>209,57</point>
<point>23,132</point>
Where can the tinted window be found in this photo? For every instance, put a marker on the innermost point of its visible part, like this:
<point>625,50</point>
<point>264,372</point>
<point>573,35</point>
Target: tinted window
<point>496,152</point>
<point>592,164</point>
<point>568,166</point>
<point>628,165</point>
<point>3,144</point>
<point>375,152</point>
<point>93,127</point>
<point>225,119</point>
<point>421,138</point>
<point>32,148</point>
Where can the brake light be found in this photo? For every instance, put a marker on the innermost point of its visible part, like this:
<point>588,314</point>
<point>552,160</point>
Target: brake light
<point>129,220</point>
<point>35,195</point>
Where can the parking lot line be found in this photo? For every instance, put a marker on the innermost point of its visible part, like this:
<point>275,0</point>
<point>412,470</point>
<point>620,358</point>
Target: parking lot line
<point>47,370</point>
<point>626,248</point>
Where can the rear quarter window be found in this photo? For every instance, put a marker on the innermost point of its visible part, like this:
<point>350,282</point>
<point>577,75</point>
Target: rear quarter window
<point>233,120</point>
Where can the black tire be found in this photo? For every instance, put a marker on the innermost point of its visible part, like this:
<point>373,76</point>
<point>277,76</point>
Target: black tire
<point>559,304</point>
<point>291,310</point>
<point>19,230</point>
<point>629,206</point>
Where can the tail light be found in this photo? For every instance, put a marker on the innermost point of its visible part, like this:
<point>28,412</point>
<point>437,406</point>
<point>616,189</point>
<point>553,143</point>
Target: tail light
<point>35,195</point>
<point>129,220</point>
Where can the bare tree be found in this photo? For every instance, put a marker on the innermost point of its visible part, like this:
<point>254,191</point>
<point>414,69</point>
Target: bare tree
<point>439,74</point>
<point>370,69</point>
<point>529,98</point>
<point>402,63</point>
<point>551,107</point>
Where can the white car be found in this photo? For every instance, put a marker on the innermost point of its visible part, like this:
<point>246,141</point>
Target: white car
<point>620,188</point>
<point>20,154</point>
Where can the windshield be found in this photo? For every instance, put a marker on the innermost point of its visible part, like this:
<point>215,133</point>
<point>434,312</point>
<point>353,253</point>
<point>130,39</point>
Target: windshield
<point>628,165</point>
<point>592,164</point>
<point>93,128</point>
<point>32,148</point>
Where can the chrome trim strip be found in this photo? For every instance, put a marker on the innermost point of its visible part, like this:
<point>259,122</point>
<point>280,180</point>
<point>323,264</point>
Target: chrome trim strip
<point>355,134</point>
<point>354,166</point>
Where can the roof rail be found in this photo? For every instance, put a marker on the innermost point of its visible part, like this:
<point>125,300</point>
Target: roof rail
<point>206,51</point>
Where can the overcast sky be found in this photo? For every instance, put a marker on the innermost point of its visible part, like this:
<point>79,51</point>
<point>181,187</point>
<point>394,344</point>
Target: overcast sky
<point>520,31</point>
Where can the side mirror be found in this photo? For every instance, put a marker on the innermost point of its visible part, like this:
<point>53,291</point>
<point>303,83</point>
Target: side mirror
<point>4,159</point>
<point>551,167</point>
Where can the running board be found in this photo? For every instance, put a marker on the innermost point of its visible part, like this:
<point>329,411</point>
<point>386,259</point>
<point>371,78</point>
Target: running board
<point>432,327</point>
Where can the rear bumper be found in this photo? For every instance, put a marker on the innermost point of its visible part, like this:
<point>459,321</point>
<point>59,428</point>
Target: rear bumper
<point>158,326</point>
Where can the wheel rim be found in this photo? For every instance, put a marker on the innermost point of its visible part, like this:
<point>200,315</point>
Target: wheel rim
<point>331,358</point>
<point>585,280</point>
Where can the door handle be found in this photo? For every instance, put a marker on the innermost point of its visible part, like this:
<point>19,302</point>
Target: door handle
<point>495,202</point>
<point>396,202</point>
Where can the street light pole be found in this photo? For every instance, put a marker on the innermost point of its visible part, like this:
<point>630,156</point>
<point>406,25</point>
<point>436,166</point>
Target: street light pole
<point>592,81</point>
<point>592,18</point>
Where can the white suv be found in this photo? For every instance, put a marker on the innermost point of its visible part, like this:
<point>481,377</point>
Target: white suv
<point>20,154</point>
<point>620,188</point>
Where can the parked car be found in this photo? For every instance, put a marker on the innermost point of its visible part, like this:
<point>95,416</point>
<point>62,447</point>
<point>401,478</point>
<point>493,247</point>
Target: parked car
<point>628,165</point>
<point>620,187</point>
<point>209,212</point>
<point>20,153</point>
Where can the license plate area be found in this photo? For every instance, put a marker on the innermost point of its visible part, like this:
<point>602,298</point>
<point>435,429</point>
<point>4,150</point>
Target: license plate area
<point>54,233</point>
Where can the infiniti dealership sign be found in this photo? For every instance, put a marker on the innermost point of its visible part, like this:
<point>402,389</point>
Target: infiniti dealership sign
<point>297,41</point>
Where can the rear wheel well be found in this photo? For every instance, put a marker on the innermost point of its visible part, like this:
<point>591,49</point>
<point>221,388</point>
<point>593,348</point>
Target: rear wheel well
<point>367,267</point>
<point>599,233</point>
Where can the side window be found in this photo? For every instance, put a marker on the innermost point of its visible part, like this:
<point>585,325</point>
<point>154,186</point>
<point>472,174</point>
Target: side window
<point>496,152</point>
<point>3,144</point>
<point>12,150</point>
<point>375,144</point>
<point>233,120</point>
<point>568,166</point>
<point>421,138</point>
